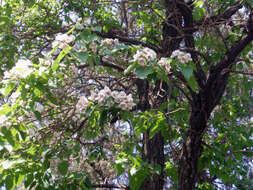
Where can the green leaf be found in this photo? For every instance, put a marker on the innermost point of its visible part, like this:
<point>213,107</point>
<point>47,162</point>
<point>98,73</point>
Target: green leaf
<point>28,180</point>
<point>103,118</point>
<point>119,169</point>
<point>187,72</point>
<point>199,13</point>
<point>130,68</point>
<point>98,28</point>
<point>9,182</point>
<point>8,135</point>
<point>133,171</point>
<point>63,167</point>
<point>63,53</point>
<point>20,179</point>
<point>37,115</point>
<point>9,88</point>
<point>143,72</point>
<point>87,183</point>
<point>137,179</point>
<point>81,56</point>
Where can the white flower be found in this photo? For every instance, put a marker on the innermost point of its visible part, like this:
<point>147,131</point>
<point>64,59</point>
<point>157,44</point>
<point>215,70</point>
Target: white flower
<point>167,67</point>
<point>101,97</point>
<point>62,40</point>
<point>93,47</point>
<point>123,105</point>
<point>14,96</point>
<point>107,91</point>
<point>114,94</point>
<point>42,70</point>
<point>38,107</point>
<point>149,54</point>
<point>61,37</point>
<point>4,121</point>
<point>93,96</point>
<point>144,55</point>
<point>63,45</point>
<point>70,38</point>
<point>82,104</point>
<point>55,43</point>
<point>142,61</point>
<point>163,61</point>
<point>129,98</point>
<point>21,70</point>
<point>109,42</point>
<point>181,56</point>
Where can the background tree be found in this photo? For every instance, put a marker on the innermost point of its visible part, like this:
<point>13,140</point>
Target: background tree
<point>126,94</point>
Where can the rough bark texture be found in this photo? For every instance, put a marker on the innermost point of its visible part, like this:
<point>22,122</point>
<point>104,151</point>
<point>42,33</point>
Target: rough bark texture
<point>153,149</point>
<point>203,104</point>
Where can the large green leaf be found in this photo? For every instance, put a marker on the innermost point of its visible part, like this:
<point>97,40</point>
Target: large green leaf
<point>187,71</point>
<point>143,72</point>
<point>137,178</point>
<point>63,167</point>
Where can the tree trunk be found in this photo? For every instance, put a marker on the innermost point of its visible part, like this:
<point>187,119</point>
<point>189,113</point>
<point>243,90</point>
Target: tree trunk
<point>153,153</point>
<point>191,151</point>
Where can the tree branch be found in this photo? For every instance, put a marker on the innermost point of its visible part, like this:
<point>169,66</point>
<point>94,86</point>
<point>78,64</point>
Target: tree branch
<point>127,40</point>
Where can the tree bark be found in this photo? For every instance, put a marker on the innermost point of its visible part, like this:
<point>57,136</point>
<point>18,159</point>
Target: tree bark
<point>203,104</point>
<point>153,153</point>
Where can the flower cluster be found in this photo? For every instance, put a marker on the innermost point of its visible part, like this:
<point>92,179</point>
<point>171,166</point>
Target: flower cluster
<point>21,70</point>
<point>164,62</point>
<point>181,56</point>
<point>109,42</point>
<point>82,104</point>
<point>145,55</point>
<point>124,101</point>
<point>238,17</point>
<point>4,121</point>
<point>62,40</point>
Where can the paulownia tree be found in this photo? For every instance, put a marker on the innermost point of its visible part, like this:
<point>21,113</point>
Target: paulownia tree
<point>126,94</point>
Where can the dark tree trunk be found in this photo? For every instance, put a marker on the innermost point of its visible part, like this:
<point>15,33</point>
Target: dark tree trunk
<point>153,153</point>
<point>203,105</point>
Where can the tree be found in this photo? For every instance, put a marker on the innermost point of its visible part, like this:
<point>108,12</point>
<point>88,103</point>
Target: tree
<point>126,94</point>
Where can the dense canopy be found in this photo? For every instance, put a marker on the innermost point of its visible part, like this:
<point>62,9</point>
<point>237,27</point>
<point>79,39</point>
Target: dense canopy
<point>126,94</point>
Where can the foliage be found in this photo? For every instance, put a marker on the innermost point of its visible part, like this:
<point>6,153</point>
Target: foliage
<point>99,94</point>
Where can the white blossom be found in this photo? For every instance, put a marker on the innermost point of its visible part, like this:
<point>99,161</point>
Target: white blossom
<point>4,121</point>
<point>93,47</point>
<point>123,105</point>
<point>109,42</point>
<point>82,104</point>
<point>14,96</point>
<point>123,100</point>
<point>143,56</point>
<point>21,70</point>
<point>62,40</point>
<point>38,107</point>
<point>163,62</point>
<point>181,56</point>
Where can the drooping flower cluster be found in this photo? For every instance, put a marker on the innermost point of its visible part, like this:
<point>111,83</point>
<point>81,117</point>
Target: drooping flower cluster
<point>124,101</point>
<point>62,40</point>
<point>181,56</point>
<point>109,42</point>
<point>163,62</point>
<point>22,69</point>
<point>143,56</point>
